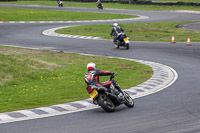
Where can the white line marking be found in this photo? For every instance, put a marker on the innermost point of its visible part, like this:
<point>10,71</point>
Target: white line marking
<point>48,110</point>
<point>27,112</point>
<point>84,103</point>
<point>67,107</point>
<point>5,117</point>
<point>22,22</point>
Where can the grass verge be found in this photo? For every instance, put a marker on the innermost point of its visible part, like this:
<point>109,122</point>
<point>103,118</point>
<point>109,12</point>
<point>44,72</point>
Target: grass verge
<point>109,5</point>
<point>25,14</point>
<point>157,31</point>
<point>33,78</point>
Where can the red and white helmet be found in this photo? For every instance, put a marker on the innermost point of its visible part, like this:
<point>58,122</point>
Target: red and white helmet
<point>91,66</point>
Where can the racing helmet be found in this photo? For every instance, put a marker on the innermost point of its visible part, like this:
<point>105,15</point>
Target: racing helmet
<point>91,66</point>
<point>115,24</point>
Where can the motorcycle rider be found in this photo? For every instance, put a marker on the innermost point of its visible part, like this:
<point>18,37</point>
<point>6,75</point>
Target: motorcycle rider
<point>92,77</point>
<point>60,2</point>
<point>98,3</point>
<point>116,31</point>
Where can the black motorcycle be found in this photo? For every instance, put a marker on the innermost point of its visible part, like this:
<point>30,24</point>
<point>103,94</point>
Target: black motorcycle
<point>100,6</point>
<point>110,98</point>
<point>122,41</point>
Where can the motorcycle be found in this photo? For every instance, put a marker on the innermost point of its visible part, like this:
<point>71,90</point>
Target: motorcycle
<point>123,41</point>
<point>100,6</point>
<point>109,98</point>
<point>60,4</point>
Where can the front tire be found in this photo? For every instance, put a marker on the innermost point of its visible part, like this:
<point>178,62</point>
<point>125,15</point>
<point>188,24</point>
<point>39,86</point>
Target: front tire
<point>128,100</point>
<point>105,103</point>
<point>127,46</point>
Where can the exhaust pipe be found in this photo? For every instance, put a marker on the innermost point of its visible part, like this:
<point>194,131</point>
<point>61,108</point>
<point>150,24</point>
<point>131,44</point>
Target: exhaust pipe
<point>111,95</point>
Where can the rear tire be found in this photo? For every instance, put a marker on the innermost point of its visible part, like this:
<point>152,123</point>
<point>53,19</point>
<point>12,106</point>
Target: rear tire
<point>128,100</point>
<point>116,43</point>
<point>116,46</point>
<point>105,103</point>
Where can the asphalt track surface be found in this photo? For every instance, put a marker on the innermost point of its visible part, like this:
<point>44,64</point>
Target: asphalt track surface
<point>191,26</point>
<point>173,110</point>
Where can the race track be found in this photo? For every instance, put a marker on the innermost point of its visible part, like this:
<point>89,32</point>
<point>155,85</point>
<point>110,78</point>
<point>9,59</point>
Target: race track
<point>173,110</point>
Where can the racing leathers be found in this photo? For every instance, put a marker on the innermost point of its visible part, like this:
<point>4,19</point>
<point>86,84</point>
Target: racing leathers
<point>116,32</point>
<point>92,77</point>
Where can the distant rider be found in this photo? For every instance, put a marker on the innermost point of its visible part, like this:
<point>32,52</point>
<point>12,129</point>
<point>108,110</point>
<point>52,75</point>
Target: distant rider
<point>116,31</point>
<point>60,2</point>
<point>98,2</point>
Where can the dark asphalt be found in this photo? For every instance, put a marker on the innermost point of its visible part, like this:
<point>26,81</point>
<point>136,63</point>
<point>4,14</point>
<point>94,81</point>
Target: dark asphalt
<point>195,26</point>
<point>173,110</point>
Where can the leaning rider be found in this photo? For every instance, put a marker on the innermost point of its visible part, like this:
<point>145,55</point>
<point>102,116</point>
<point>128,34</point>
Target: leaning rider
<point>92,76</point>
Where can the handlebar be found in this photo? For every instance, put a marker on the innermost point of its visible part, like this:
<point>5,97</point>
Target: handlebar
<point>112,76</point>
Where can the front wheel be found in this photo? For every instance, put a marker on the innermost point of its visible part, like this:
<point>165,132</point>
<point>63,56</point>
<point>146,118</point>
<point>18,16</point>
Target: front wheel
<point>128,100</point>
<point>105,103</point>
<point>127,46</point>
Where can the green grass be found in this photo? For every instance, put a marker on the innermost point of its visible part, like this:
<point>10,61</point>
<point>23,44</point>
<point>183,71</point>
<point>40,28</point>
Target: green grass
<point>25,14</point>
<point>34,78</point>
<point>109,5</point>
<point>157,31</point>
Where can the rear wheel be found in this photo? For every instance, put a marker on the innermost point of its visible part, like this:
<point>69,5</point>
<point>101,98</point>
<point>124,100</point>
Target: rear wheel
<point>116,46</point>
<point>128,100</point>
<point>106,103</point>
<point>116,43</point>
